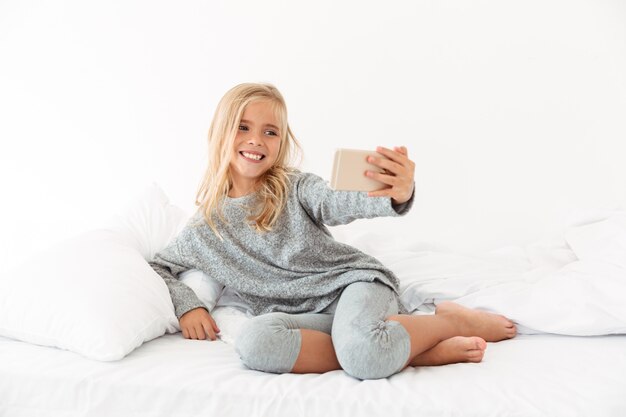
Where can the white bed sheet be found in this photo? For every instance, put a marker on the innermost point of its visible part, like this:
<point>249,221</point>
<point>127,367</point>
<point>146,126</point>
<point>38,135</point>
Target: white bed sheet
<point>531,375</point>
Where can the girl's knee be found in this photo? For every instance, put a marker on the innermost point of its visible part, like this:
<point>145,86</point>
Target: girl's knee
<point>267,343</point>
<point>364,363</point>
<point>375,353</point>
<point>255,336</point>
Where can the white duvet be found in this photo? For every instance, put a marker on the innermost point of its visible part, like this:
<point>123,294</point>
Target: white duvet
<point>573,283</point>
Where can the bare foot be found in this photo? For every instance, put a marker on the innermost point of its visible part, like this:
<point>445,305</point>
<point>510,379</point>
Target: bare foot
<point>454,350</point>
<point>489,326</point>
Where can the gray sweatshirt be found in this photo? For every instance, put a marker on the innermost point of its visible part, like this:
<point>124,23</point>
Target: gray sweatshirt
<point>297,267</point>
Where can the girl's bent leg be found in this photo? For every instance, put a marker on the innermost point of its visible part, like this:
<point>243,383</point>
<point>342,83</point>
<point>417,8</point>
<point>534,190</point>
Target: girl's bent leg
<point>368,346</point>
<point>452,320</point>
<point>373,341</point>
<point>275,343</point>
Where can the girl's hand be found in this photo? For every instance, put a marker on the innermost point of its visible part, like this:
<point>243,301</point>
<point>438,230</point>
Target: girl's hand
<point>198,324</point>
<point>399,174</point>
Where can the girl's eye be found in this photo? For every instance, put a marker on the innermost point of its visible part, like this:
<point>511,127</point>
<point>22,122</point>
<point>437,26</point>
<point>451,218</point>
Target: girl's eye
<point>271,133</point>
<point>243,127</point>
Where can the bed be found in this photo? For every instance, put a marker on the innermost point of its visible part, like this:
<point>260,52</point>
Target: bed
<point>531,375</point>
<point>123,354</point>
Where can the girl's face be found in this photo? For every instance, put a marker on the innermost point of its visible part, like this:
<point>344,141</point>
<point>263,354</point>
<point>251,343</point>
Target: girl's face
<point>256,146</point>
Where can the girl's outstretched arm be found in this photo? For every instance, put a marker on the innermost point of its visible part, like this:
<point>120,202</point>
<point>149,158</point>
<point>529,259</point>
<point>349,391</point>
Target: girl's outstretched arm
<point>332,207</point>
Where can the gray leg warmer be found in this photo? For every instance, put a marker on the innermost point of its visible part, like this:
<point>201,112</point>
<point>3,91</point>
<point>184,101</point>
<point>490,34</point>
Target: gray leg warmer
<point>271,342</point>
<point>367,346</point>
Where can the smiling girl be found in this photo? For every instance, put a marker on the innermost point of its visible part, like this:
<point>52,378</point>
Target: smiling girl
<point>319,304</point>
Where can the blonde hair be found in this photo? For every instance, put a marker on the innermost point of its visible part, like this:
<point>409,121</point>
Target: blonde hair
<point>216,182</point>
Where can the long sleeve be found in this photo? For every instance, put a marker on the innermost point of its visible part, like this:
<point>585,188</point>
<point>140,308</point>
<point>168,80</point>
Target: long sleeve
<point>297,267</point>
<point>331,207</point>
<point>169,263</point>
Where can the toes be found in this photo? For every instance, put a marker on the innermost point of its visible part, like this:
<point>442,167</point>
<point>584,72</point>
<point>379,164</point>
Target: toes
<point>511,332</point>
<point>481,343</point>
<point>475,343</point>
<point>475,355</point>
<point>510,329</point>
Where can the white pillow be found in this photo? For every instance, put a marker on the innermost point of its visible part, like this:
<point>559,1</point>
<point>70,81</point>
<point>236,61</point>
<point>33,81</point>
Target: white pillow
<point>95,294</point>
<point>207,289</point>
<point>149,223</point>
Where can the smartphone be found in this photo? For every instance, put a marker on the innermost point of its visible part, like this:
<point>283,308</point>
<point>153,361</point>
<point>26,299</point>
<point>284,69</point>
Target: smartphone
<point>349,171</point>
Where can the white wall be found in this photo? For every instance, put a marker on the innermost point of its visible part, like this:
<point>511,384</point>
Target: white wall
<point>514,112</point>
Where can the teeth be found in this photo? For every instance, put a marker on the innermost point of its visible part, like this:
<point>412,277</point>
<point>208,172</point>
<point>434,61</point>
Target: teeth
<point>252,156</point>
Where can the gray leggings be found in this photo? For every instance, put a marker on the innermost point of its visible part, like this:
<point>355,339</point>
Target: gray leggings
<point>367,346</point>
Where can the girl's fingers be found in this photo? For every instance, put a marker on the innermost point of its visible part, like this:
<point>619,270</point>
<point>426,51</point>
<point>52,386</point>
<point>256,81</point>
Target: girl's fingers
<point>208,329</point>
<point>385,179</point>
<point>398,175</point>
<point>185,333</point>
<point>192,333</point>
<point>396,162</point>
<point>402,150</point>
<point>385,164</point>
<point>398,157</point>
<point>200,332</point>
<point>214,325</point>
<point>211,328</point>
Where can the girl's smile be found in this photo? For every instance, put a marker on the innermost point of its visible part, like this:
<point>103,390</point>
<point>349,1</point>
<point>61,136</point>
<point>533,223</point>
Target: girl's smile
<point>252,155</point>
